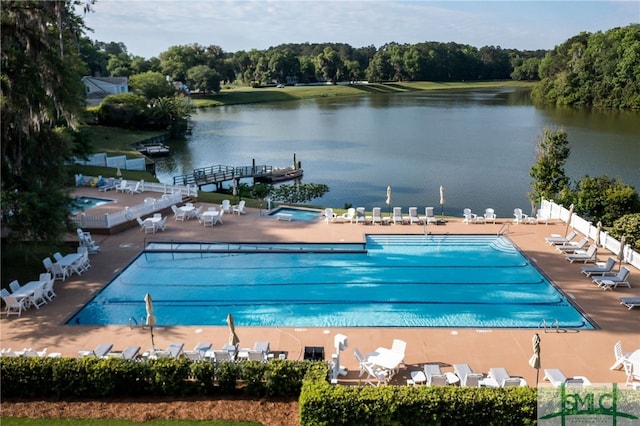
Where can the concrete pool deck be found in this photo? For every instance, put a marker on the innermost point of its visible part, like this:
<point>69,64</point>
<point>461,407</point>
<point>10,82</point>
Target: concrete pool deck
<point>576,353</point>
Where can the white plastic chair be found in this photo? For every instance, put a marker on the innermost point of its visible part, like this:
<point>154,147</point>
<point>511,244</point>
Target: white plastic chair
<point>47,290</point>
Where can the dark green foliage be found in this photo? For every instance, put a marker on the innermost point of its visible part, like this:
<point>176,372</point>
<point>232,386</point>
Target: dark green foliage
<point>599,69</point>
<point>298,193</point>
<point>552,152</point>
<point>602,199</point>
<point>628,225</point>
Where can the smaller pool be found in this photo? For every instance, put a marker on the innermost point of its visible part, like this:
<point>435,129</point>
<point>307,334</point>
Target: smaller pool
<point>80,204</point>
<point>297,213</point>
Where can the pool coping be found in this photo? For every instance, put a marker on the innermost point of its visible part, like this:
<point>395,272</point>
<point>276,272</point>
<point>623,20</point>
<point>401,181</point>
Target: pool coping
<point>588,353</point>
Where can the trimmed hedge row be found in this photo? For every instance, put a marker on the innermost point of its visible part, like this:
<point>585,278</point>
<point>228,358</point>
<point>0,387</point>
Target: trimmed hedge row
<point>322,404</point>
<point>26,377</point>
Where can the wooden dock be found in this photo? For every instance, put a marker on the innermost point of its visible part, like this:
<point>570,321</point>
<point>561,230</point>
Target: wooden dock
<point>216,175</point>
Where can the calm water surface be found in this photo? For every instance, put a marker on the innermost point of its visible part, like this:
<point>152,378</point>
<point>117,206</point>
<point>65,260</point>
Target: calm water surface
<point>478,144</point>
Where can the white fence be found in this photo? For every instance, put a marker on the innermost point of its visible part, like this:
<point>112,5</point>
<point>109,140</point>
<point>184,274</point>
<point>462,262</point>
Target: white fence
<point>120,161</point>
<point>171,194</point>
<point>556,211</point>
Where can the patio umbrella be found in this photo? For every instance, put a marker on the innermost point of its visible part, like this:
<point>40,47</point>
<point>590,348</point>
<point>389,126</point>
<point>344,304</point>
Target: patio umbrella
<point>596,241</point>
<point>151,320</point>
<point>233,337</point>
<point>620,256</point>
<point>534,361</point>
<point>442,199</point>
<point>389,198</point>
<point>566,230</point>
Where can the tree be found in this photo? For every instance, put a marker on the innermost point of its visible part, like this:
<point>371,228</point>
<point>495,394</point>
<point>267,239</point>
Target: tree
<point>552,152</point>
<point>42,101</point>
<point>628,225</point>
<point>151,85</point>
<point>203,78</point>
<point>602,199</point>
<point>298,193</point>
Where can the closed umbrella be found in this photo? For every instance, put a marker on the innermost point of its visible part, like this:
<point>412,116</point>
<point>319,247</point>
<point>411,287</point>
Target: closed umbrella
<point>534,361</point>
<point>442,199</point>
<point>233,337</point>
<point>118,172</point>
<point>235,187</point>
<point>596,241</point>
<point>389,198</point>
<point>566,230</point>
<point>151,320</point>
<point>620,256</point>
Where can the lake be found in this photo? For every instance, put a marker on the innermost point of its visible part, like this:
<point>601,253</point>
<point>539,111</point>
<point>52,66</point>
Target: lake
<point>479,144</point>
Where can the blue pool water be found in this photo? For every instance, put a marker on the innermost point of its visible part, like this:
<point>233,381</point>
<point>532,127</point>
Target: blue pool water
<point>80,204</point>
<point>389,281</point>
<point>297,214</point>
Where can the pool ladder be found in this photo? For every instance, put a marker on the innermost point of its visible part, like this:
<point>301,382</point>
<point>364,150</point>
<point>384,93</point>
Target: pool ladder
<point>554,326</point>
<point>502,229</point>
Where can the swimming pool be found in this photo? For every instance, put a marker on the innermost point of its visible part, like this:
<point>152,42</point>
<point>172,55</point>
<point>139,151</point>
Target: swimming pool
<point>80,204</point>
<point>298,214</point>
<point>388,281</point>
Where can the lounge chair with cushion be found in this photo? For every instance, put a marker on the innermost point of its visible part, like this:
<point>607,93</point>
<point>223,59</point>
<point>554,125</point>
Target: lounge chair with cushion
<point>413,215</point>
<point>503,379</point>
<point>429,216</point>
<point>600,269</point>
<point>571,246</point>
<point>557,239</point>
<point>620,279</point>
<point>435,376</point>
<point>557,379</point>
<point>397,216</point>
<point>100,351</point>
<point>585,256</point>
<point>630,302</point>
<point>467,377</point>
<point>376,215</point>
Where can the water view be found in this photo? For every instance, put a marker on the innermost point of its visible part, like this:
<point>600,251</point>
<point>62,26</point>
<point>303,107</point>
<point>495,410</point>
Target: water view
<point>479,144</point>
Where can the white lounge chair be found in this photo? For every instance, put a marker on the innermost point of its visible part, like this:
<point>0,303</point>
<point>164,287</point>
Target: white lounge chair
<point>129,352</point>
<point>490,215</point>
<point>503,378</point>
<point>630,302</point>
<point>620,279</point>
<point>413,215</point>
<point>557,239</point>
<point>585,256</point>
<point>573,246</point>
<point>397,216</point>
<point>135,189</point>
<point>239,208</point>
<point>435,376</point>
<point>542,216</point>
<point>376,215</point>
<point>429,216</point>
<point>222,355</point>
<point>349,215</point>
<point>360,215</point>
<point>632,367</point>
<point>600,270</point>
<point>100,351</point>
<point>520,217</point>
<point>557,379</point>
<point>620,355</point>
<point>467,377</point>
<point>468,216</point>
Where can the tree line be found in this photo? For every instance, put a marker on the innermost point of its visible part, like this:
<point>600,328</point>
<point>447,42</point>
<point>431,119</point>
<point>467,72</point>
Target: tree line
<point>205,67</point>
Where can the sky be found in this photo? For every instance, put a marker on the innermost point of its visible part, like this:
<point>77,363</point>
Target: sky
<point>149,27</point>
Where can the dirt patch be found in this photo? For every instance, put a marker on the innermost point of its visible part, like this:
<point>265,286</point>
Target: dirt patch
<point>268,412</point>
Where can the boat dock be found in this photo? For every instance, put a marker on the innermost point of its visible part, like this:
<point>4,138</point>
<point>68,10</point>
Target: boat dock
<point>216,175</point>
